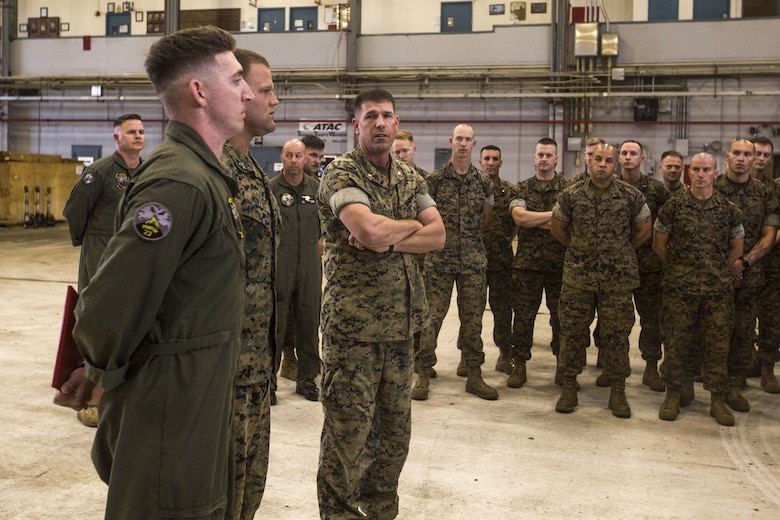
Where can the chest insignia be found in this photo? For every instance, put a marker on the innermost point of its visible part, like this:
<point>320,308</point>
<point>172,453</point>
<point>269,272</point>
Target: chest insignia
<point>122,180</point>
<point>236,217</point>
<point>287,199</point>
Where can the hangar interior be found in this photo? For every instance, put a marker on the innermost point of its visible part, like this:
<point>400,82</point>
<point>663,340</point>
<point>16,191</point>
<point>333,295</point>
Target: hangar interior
<point>616,73</point>
<point>687,75</point>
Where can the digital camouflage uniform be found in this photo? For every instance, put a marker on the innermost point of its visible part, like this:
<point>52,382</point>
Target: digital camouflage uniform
<point>647,297</point>
<point>537,266</point>
<point>372,305</point>
<point>758,206</point>
<point>600,272</point>
<point>498,249</point>
<point>251,404</point>
<point>698,301</point>
<point>159,326</point>
<point>769,299</point>
<point>679,190</point>
<point>299,284</point>
<point>91,207</point>
<point>461,200</point>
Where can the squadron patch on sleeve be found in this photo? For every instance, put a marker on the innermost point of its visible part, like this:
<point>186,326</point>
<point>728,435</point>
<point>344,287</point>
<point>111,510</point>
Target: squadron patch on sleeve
<point>122,180</point>
<point>88,178</point>
<point>153,221</point>
<point>287,199</point>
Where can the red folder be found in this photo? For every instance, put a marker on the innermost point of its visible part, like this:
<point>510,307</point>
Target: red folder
<point>68,355</point>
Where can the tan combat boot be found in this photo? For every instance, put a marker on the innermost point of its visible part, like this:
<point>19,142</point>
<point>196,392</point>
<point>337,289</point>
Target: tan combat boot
<point>720,411</point>
<point>420,390</point>
<point>477,386</point>
<point>505,363</point>
<point>568,400</point>
<point>617,399</point>
<point>289,363</point>
<point>559,374</point>
<point>518,377</point>
<point>769,382</point>
<point>651,379</point>
<point>734,397</point>
<point>670,408</point>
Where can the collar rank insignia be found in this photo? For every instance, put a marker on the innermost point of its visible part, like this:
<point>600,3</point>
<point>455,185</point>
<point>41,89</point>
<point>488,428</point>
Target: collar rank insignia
<point>287,199</point>
<point>236,217</point>
<point>153,221</point>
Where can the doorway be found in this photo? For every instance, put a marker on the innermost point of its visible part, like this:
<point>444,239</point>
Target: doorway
<point>456,17</point>
<point>303,19</point>
<point>270,19</point>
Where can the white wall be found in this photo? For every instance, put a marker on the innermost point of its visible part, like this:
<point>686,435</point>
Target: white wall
<point>379,16</point>
<point>81,14</point>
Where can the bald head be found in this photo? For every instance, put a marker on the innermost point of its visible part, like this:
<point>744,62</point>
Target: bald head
<point>293,153</point>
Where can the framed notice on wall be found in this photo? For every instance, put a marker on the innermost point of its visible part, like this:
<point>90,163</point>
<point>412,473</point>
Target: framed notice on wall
<point>43,27</point>
<point>155,22</point>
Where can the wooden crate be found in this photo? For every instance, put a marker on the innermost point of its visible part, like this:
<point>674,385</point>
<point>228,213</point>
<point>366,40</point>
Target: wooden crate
<point>18,170</point>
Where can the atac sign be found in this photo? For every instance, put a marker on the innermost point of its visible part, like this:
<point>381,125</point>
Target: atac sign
<point>323,128</point>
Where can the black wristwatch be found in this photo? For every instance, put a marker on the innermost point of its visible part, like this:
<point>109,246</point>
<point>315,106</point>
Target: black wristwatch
<point>745,263</point>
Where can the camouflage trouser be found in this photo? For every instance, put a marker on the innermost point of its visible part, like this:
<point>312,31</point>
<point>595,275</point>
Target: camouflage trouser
<point>696,331</point>
<point>366,397</point>
<point>744,334</point>
<point>252,430</point>
<point>499,291</point>
<point>527,287</point>
<point>769,318</point>
<point>576,310</point>
<point>647,298</point>
<point>471,300</point>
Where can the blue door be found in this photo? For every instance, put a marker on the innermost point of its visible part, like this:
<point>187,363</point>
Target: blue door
<point>270,20</point>
<point>303,18</point>
<point>456,17</point>
<point>660,10</point>
<point>710,9</point>
<point>118,24</point>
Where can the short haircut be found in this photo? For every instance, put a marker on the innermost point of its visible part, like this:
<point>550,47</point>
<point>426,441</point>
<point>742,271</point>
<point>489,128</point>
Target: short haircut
<point>313,142</point>
<point>738,139</point>
<point>184,51</point>
<point>126,117</point>
<point>548,141</point>
<point>376,95</point>
<point>641,148</point>
<point>490,147</point>
<point>404,134</point>
<point>763,141</point>
<point>594,141</point>
<point>246,58</point>
<point>671,153</point>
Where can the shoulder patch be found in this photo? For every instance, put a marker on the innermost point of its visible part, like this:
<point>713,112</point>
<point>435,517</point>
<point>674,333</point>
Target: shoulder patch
<point>88,178</point>
<point>153,221</point>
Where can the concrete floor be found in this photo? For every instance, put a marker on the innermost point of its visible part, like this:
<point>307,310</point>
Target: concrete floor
<point>514,458</point>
